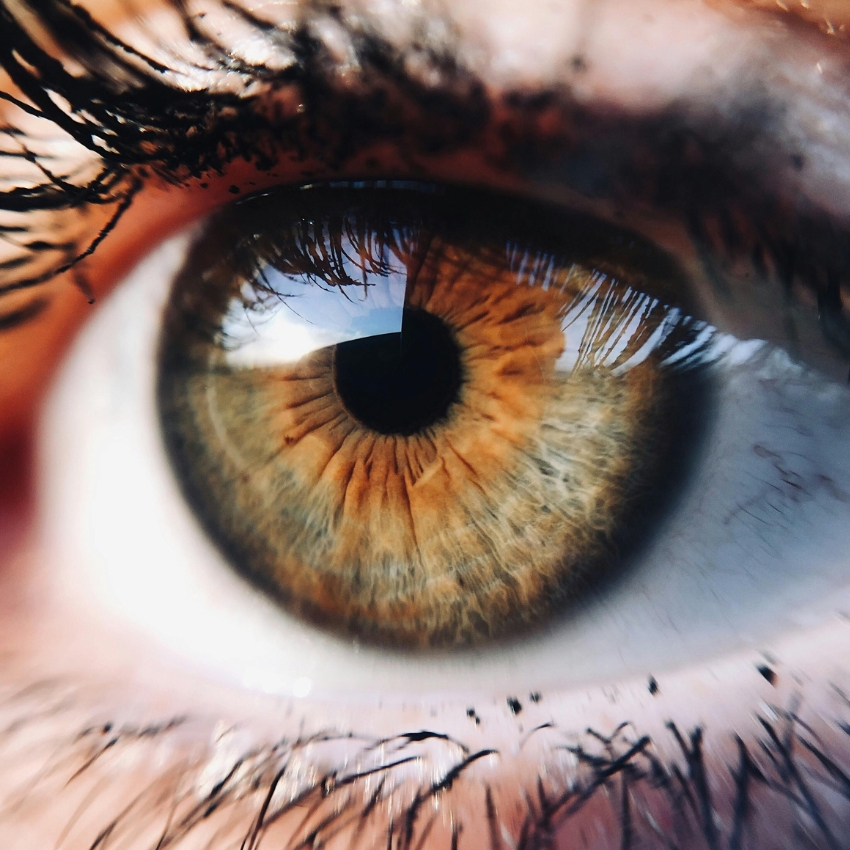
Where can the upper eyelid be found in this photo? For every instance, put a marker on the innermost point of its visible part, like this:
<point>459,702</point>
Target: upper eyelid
<point>129,148</point>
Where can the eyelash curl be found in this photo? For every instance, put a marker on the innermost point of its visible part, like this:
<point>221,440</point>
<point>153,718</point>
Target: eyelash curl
<point>128,111</point>
<point>136,116</point>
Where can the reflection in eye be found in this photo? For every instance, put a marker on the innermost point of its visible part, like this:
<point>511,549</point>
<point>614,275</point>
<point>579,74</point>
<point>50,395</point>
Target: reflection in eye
<point>470,449</point>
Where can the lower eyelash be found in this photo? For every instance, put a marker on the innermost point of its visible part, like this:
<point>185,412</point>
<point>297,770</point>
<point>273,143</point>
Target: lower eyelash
<point>615,787</point>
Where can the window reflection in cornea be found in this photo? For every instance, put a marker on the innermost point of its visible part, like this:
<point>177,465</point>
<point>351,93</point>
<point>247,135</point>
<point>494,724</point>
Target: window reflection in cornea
<point>756,755</point>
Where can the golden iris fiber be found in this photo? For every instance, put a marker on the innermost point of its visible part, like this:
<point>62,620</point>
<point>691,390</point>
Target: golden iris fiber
<point>469,524</point>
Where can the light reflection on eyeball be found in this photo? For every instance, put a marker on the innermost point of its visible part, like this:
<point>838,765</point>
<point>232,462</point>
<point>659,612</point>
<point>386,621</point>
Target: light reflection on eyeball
<point>454,462</point>
<point>766,490</point>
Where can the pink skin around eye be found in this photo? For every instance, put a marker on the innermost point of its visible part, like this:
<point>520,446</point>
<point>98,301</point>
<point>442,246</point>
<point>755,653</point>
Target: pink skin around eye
<point>88,715</point>
<point>96,674</point>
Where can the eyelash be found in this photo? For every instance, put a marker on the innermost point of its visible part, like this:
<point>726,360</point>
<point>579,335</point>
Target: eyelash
<point>127,128</point>
<point>236,130</point>
<point>611,783</point>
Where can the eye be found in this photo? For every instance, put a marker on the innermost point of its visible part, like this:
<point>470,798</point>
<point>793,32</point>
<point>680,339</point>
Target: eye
<point>680,175</point>
<point>450,470</point>
<point>625,454</point>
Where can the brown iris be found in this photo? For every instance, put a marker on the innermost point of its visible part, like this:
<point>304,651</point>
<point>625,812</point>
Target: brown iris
<point>453,474</point>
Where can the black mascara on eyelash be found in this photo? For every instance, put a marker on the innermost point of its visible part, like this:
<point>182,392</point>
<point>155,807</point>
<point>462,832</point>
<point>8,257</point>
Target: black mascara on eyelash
<point>675,162</point>
<point>783,773</point>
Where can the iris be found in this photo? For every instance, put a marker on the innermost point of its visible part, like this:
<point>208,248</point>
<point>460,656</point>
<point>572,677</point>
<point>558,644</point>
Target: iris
<point>418,416</point>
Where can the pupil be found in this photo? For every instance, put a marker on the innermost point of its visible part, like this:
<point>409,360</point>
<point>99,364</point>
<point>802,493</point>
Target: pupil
<point>400,383</point>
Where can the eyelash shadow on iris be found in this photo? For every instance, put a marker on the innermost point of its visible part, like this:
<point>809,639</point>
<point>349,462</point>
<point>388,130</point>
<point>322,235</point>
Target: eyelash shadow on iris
<point>424,416</point>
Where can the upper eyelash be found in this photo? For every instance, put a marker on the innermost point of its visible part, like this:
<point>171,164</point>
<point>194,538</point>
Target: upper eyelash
<point>120,115</point>
<point>324,250</point>
<point>115,112</point>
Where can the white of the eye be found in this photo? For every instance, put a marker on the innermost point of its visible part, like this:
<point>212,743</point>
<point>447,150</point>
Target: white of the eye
<point>757,544</point>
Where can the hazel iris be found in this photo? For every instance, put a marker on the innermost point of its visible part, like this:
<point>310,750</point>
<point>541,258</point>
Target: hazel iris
<point>422,417</point>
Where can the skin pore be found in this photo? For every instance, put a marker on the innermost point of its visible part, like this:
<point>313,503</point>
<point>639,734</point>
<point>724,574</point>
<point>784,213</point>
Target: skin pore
<point>110,740</point>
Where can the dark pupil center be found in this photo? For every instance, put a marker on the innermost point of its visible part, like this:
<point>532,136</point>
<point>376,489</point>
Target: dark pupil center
<point>403,382</point>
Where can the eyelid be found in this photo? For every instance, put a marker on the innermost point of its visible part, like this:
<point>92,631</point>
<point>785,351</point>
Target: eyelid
<point>618,137</point>
<point>457,93</point>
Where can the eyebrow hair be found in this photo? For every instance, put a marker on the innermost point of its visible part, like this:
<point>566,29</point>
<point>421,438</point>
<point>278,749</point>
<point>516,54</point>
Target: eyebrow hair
<point>139,117</point>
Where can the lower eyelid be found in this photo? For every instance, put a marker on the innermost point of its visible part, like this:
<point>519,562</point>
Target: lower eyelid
<point>184,727</point>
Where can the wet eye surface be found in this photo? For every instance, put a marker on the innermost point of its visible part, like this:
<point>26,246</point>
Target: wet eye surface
<point>599,478</point>
<point>426,416</point>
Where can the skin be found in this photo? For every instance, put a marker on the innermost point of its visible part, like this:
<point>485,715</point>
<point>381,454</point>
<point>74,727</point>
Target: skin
<point>90,708</point>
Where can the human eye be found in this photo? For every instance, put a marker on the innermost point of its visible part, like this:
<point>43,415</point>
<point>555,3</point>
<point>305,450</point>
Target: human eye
<point>680,212</point>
